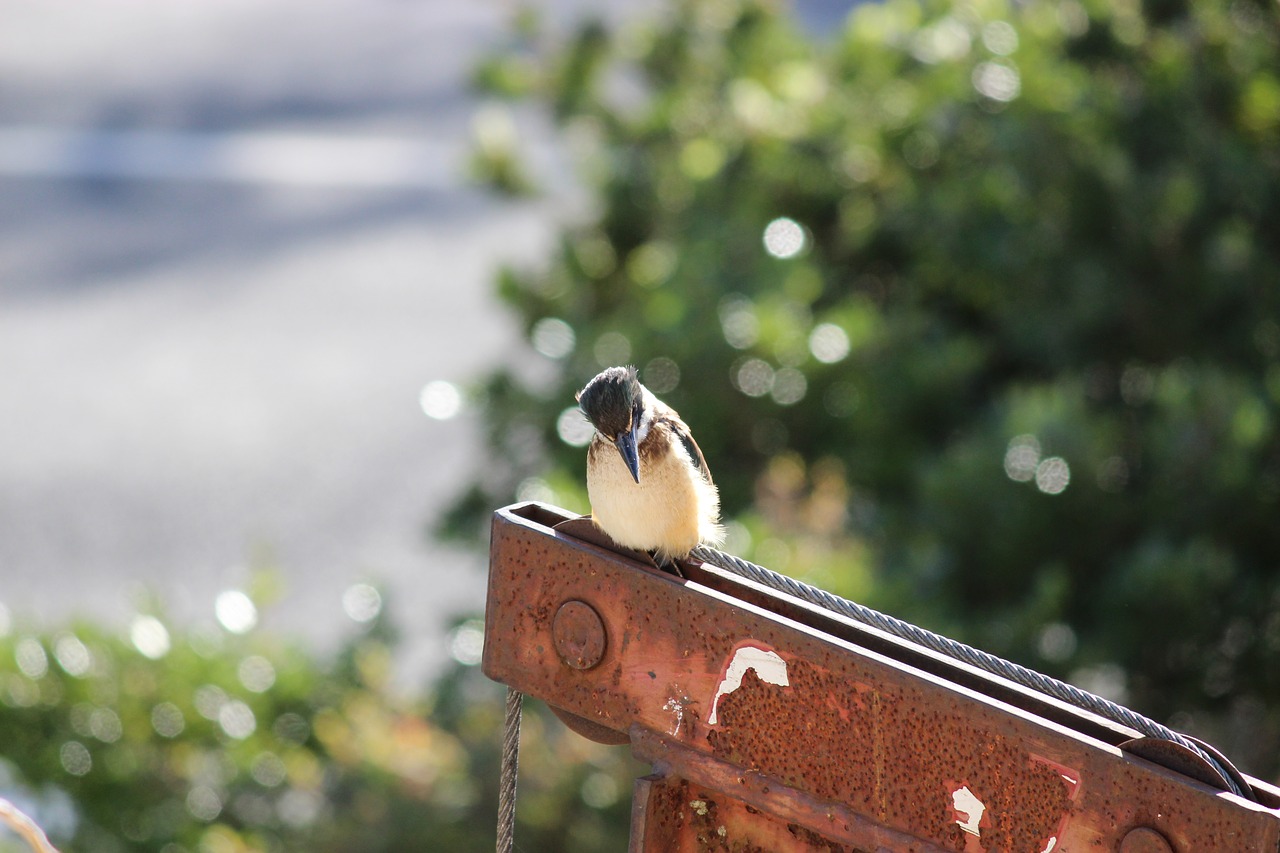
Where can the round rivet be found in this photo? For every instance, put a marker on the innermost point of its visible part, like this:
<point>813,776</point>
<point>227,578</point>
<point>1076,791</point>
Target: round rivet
<point>1144,839</point>
<point>578,633</point>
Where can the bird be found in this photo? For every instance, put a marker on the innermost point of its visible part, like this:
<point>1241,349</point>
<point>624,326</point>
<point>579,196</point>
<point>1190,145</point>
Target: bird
<point>647,480</point>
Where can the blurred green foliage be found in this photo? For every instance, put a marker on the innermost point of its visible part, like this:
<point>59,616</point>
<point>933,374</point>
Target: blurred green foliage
<point>974,309</point>
<point>216,742</point>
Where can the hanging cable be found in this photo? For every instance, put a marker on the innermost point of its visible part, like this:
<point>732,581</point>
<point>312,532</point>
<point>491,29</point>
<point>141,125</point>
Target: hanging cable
<point>510,768</point>
<point>975,657</point>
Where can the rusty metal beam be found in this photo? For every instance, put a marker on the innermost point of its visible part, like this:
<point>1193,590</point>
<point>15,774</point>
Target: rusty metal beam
<point>723,790</point>
<point>791,720</point>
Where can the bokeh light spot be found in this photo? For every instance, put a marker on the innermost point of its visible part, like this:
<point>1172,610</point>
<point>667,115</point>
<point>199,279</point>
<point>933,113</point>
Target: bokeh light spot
<point>72,655</point>
<point>1107,680</point>
<point>361,602</point>
<point>256,674</point>
<point>753,377</point>
<point>268,770</point>
<point>573,427</point>
<point>204,803</point>
<point>75,758</point>
<point>612,348</point>
<point>784,238</point>
<point>291,728</point>
<point>946,40</point>
<point>829,343</point>
<point>167,720</point>
<point>661,375</point>
<point>599,790</point>
<point>105,725</point>
<point>298,808</point>
<point>209,699</point>
<point>235,611</point>
<point>535,489</point>
<point>701,158</point>
<point>997,81</point>
<point>1021,458</point>
<point>1057,642</point>
<point>237,720</point>
<point>31,658</point>
<point>596,256</point>
<point>1000,38</point>
<point>789,387</point>
<point>1053,475</point>
<point>149,636</point>
<point>466,644</point>
<point>738,321</point>
<point>651,264</point>
<point>860,163</point>
<point>440,400</point>
<point>553,337</point>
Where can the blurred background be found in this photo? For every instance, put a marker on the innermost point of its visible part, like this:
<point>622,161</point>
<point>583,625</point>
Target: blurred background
<point>974,309</point>
<point>237,243</point>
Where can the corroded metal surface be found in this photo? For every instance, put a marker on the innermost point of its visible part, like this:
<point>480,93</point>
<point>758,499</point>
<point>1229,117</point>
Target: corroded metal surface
<point>679,816</point>
<point>719,781</point>
<point>831,735</point>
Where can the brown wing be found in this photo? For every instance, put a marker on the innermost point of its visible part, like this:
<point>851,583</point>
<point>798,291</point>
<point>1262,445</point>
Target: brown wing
<point>681,430</point>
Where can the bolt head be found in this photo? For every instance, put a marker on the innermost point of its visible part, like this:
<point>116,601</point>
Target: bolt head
<point>579,636</point>
<point>1144,839</point>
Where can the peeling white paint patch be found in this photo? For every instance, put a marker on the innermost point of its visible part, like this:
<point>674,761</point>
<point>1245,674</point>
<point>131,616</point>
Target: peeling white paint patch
<point>965,803</point>
<point>1053,842</point>
<point>769,666</point>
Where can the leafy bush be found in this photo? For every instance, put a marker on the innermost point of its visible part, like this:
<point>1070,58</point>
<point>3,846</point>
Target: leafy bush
<point>974,309</point>
<point>220,743</point>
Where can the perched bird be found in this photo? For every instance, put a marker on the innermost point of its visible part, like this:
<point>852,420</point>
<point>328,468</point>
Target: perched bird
<point>646,477</point>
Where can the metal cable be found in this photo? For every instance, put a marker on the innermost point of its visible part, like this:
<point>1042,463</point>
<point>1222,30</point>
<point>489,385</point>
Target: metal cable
<point>975,657</point>
<point>510,766</point>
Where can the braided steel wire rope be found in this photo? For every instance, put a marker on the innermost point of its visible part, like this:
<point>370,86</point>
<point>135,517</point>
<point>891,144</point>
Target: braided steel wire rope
<point>985,661</point>
<point>510,768</point>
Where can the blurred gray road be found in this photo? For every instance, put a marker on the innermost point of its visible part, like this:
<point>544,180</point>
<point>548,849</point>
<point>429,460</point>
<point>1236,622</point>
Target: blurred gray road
<point>216,316</point>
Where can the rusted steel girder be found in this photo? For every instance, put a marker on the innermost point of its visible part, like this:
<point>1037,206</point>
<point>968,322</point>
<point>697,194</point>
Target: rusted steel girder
<point>773,725</point>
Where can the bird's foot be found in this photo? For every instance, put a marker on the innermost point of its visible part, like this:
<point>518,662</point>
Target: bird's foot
<point>668,564</point>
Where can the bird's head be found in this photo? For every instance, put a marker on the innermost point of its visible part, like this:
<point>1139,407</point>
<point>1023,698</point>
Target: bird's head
<point>614,401</point>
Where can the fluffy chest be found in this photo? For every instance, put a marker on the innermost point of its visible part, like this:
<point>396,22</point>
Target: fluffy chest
<point>666,511</point>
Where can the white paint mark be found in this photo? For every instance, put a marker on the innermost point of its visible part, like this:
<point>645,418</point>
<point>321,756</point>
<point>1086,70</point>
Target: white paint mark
<point>769,666</point>
<point>1053,842</point>
<point>676,706</point>
<point>965,803</point>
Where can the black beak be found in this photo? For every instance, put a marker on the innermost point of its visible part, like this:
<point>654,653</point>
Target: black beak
<point>626,444</point>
